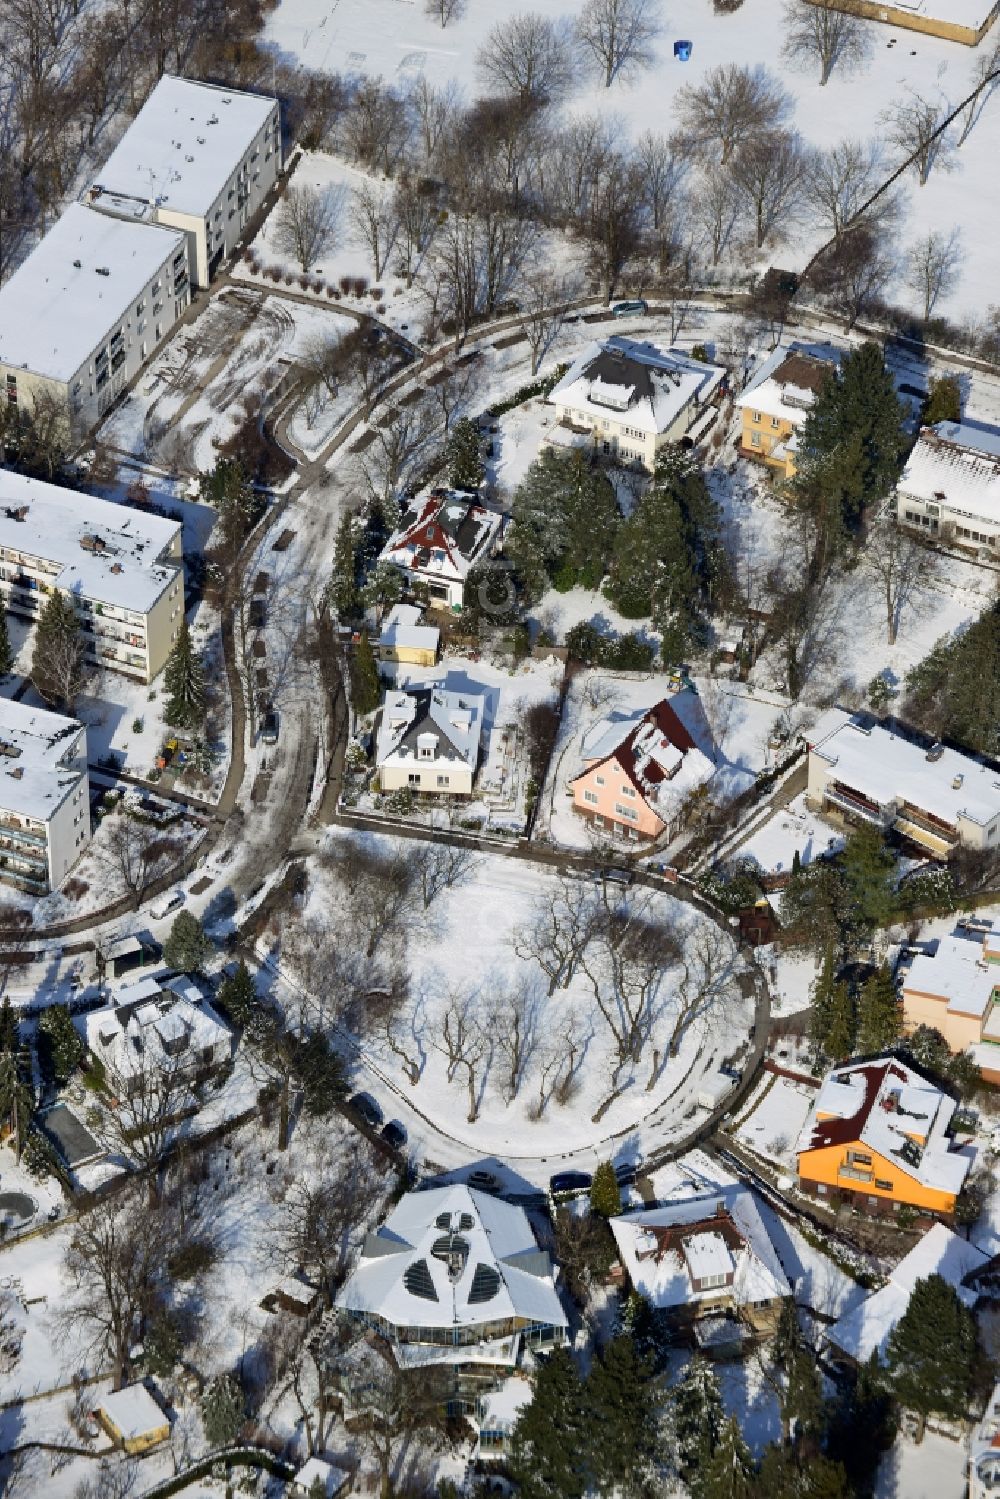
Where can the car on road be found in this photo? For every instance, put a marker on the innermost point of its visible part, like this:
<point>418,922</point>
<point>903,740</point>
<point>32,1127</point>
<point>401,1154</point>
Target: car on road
<point>615,876</point>
<point>636,308</point>
<point>367,1110</point>
<point>169,901</point>
<point>269,727</point>
<point>626,1173</point>
<point>569,1181</point>
<point>394,1134</point>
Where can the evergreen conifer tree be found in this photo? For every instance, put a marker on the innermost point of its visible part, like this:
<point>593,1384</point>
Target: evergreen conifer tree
<point>6,653</point>
<point>364,678</point>
<point>869,869</point>
<point>699,1422</point>
<point>184,683</point>
<point>932,1352</point>
<point>879,1019</point>
<point>622,1418</point>
<point>62,1039</point>
<point>564,519</point>
<point>465,457</point>
<point>728,1470</point>
<point>238,995</point>
<point>551,1439</point>
<point>944,401</point>
<point>821,1008</point>
<point>57,667</point>
<point>222,1411</point>
<point>344,595</point>
<point>840,1032</point>
<point>605,1193</point>
<point>955,690</point>
<point>862,1425</point>
<point>187,948</point>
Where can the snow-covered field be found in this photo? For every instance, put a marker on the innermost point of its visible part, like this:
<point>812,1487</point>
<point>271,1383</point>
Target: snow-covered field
<point>774,1121</point>
<point>394,39</point>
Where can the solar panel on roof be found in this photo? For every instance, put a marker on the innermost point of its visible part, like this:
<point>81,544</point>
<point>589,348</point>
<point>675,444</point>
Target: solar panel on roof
<point>417,1280</point>
<point>485,1285</point>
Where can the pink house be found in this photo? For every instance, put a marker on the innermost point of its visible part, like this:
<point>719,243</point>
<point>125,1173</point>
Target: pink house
<point>639,772</point>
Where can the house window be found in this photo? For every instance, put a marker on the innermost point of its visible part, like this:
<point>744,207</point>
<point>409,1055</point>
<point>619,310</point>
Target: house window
<point>627,812</point>
<point>425,752</point>
<point>776,421</point>
<point>821,1189</point>
<point>755,416</point>
<point>590,796</point>
<point>413,779</point>
<point>755,439</point>
<point>883,1185</point>
<point>628,791</point>
<point>443,780</point>
<point>599,780</point>
<point>859,1158</point>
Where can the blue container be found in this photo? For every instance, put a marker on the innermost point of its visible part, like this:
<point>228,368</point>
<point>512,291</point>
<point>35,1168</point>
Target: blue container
<point>682,51</point>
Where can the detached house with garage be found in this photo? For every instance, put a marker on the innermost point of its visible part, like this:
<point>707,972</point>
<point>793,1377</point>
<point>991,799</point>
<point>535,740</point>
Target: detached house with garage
<point>626,400</point>
<point>949,490</point>
<point>439,540</point>
<point>877,1137</point>
<point>956,990</point>
<point>640,771</point>
<point>776,402</point>
<point>455,1278</point>
<point>708,1262</point>
<point>158,1026</point>
<point>429,741</point>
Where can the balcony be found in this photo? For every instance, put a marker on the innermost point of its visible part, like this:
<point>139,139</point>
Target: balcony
<point>10,830</point>
<point>856,805</point>
<point>854,1173</point>
<point>938,840</point>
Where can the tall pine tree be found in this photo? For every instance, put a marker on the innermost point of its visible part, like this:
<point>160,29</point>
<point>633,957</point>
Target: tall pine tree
<point>184,683</point>
<point>605,1193</point>
<point>551,1437</point>
<point>564,520</point>
<point>465,455</point>
<point>699,1419</point>
<point>344,596</point>
<point>932,1352</point>
<point>879,1017</point>
<point>869,871</point>
<point>623,1420</point>
<point>728,1470</point>
<point>364,678</point>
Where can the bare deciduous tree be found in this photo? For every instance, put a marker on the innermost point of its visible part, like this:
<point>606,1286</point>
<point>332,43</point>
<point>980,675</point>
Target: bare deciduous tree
<point>563,925</point>
<point>620,35</point>
<point>402,444</point>
<point>733,104</point>
<point>625,961</point>
<point>415,212</point>
<point>543,305</point>
<point>839,182</point>
<point>444,10</point>
<point>378,125</point>
<point>530,56</point>
<point>769,174</point>
<point>717,208</point>
<point>933,267</point>
<point>707,960</point>
<point>464,1042</point>
<point>513,1020</point>
<point>307,223</point>
<point>434,110</point>
<point>915,127</point>
<point>822,32</point>
<point>854,272</point>
<point>662,168</point>
<point>899,565</point>
<point>323,1213</point>
<point>137,854</point>
<point>441,866</point>
<point>374,220</point>
<point>985,78</point>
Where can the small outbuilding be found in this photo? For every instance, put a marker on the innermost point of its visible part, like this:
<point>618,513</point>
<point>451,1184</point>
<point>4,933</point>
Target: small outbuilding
<point>317,1476</point>
<point>133,1419</point>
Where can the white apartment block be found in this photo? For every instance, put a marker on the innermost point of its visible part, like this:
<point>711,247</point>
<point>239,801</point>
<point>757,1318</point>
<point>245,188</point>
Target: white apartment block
<point>626,400</point>
<point>949,490</point>
<point>122,568</point>
<point>196,158</point>
<point>936,798</point>
<point>81,316</point>
<point>44,796</point>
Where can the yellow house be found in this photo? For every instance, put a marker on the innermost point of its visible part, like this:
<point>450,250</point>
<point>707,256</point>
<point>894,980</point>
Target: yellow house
<point>775,402</point>
<point>956,991</point>
<point>877,1139</point>
<point>965,21</point>
<point>404,641</point>
<point>133,1419</point>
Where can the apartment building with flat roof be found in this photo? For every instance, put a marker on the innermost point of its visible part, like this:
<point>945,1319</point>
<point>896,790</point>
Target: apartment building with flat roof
<point>122,568</point>
<point>198,158</point>
<point>44,796</point>
<point>81,316</point>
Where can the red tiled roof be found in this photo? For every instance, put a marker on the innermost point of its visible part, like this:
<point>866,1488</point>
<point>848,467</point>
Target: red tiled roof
<point>839,1131</point>
<point>662,717</point>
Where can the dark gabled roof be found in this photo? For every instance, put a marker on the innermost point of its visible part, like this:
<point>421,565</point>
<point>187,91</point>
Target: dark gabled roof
<point>613,367</point>
<point>423,723</point>
<point>839,1131</point>
<point>662,717</point>
<point>804,371</point>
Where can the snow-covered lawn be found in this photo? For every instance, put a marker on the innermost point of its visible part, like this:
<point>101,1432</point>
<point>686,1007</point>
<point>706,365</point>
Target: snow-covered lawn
<point>773,1125</point>
<point>460,951</point>
<point>792,829</point>
<point>936,1469</point>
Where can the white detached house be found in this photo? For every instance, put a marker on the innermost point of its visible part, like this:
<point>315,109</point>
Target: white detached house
<point>429,741</point>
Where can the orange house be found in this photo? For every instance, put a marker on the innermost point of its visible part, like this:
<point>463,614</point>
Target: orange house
<point>639,772</point>
<point>877,1138</point>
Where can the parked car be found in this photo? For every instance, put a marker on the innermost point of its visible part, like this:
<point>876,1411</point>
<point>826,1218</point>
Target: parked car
<point>569,1181</point>
<point>269,727</point>
<point>626,1173</point>
<point>394,1134</point>
<point>617,876</point>
<point>484,1181</point>
<point>169,901</point>
<point>258,614</point>
<point>634,308</point>
<point>367,1110</point>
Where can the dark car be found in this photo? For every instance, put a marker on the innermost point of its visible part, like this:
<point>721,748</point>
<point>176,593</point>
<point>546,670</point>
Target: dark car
<point>484,1181</point>
<point>569,1181</point>
<point>367,1110</point>
<point>394,1135</point>
<point>626,1173</point>
<point>269,728</point>
<point>258,614</point>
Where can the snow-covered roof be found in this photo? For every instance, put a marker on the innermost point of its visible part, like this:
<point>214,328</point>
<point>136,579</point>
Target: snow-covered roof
<point>184,144</point>
<point>889,770</point>
<point>106,552</point>
<point>75,288</point>
<point>34,744</point>
<point>956,972</point>
<point>957,466</point>
<point>156,1022</point>
<point>442,535</point>
<point>890,1108</point>
<point>655,751</point>
<point>667,1248</point>
<point>318,1470</point>
<point>867,1326</point>
<point>132,1411</point>
<point>430,725</point>
<point>786,384</point>
<point>403,630</point>
<point>453,1257</point>
<point>650,386</point>
<point>972,14</point>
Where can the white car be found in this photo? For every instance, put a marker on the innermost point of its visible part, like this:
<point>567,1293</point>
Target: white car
<point>169,901</point>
